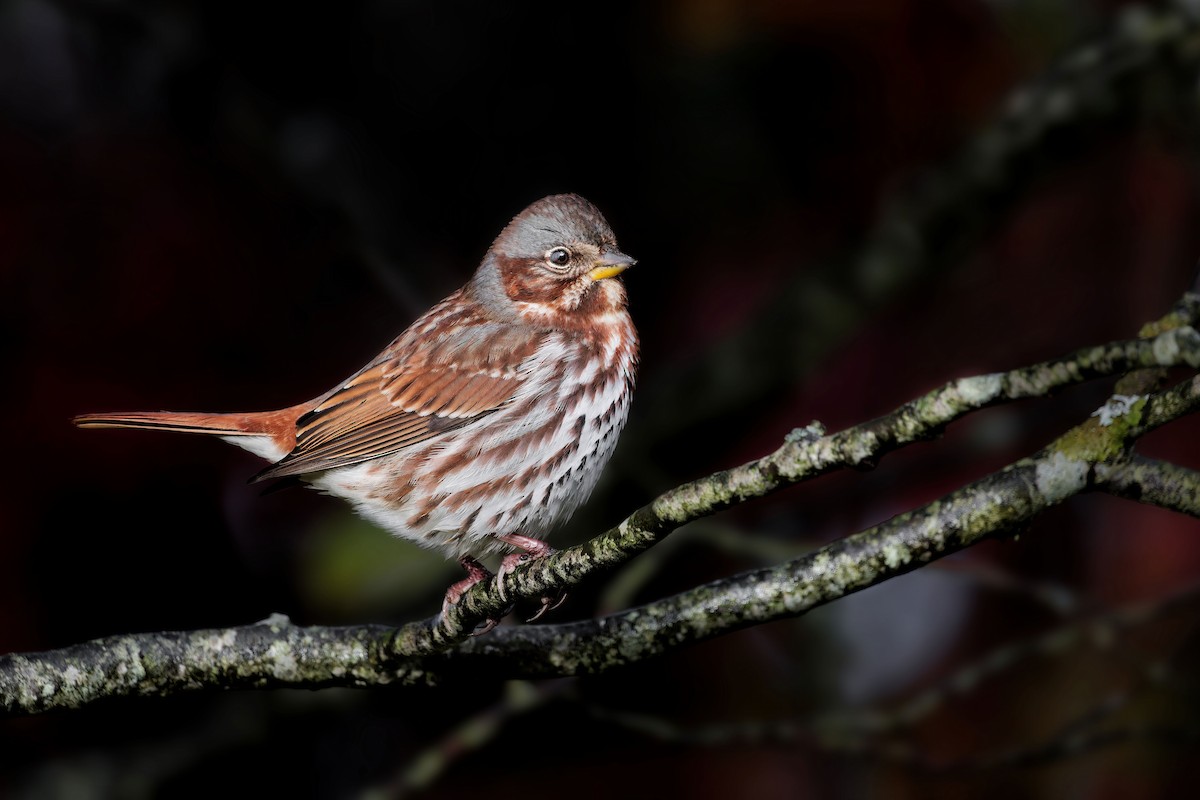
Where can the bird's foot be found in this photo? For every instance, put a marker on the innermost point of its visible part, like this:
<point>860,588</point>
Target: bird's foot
<point>476,573</point>
<point>534,548</point>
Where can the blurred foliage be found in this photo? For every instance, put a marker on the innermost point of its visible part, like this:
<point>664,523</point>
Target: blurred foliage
<point>352,574</point>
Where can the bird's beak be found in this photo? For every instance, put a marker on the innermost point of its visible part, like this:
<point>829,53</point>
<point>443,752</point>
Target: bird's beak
<point>613,262</point>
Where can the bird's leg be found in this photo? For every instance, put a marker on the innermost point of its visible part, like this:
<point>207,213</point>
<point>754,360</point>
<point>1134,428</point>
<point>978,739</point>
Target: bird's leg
<point>476,572</point>
<point>533,548</point>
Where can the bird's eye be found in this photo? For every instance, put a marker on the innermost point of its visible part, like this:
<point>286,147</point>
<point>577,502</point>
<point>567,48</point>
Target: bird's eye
<point>559,256</point>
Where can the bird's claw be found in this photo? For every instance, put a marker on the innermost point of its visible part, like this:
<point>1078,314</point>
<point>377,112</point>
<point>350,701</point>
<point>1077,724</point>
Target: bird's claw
<point>549,604</point>
<point>507,565</point>
<point>486,627</point>
<point>511,562</point>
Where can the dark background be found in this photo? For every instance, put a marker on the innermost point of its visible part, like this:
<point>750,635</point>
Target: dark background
<point>211,206</point>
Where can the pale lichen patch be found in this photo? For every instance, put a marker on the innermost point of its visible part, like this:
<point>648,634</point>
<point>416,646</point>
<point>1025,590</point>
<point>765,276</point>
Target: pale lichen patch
<point>1166,348</point>
<point>896,554</point>
<point>283,660</point>
<point>1117,406</point>
<point>820,565</point>
<point>1179,344</point>
<point>219,641</point>
<point>931,528</point>
<point>1060,476</point>
<point>356,652</point>
<point>981,389</point>
<point>806,435</point>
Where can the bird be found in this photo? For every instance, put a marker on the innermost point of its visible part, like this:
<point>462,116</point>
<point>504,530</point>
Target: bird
<point>487,422</point>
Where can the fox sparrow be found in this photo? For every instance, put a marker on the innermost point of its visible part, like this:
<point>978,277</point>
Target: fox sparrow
<point>486,422</point>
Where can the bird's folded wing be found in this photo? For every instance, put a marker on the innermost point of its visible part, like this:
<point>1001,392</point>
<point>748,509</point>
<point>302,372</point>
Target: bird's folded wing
<point>417,389</point>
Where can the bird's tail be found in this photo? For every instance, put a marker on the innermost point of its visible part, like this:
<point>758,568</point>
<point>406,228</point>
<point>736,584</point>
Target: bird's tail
<point>178,421</point>
<point>270,434</point>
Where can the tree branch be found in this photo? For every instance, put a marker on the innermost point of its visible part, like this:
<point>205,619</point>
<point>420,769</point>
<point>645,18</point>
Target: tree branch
<point>1099,81</point>
<point>994,505</point>
<point>276,653</point>
<point>1156,483</point>
<point>807,454</point>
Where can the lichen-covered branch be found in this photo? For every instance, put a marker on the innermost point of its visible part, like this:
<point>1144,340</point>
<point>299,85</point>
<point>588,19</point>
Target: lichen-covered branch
<point>275,653</point>
<point>1155,483</point>
<point>269,653</point>
<point>994,505</point>
<point>1105,80</point>
<point>808,454</point>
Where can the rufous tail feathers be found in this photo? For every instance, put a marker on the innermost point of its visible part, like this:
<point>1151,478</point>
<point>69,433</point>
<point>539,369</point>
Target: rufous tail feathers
<point>277,426</point>
<point>180,421</point>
